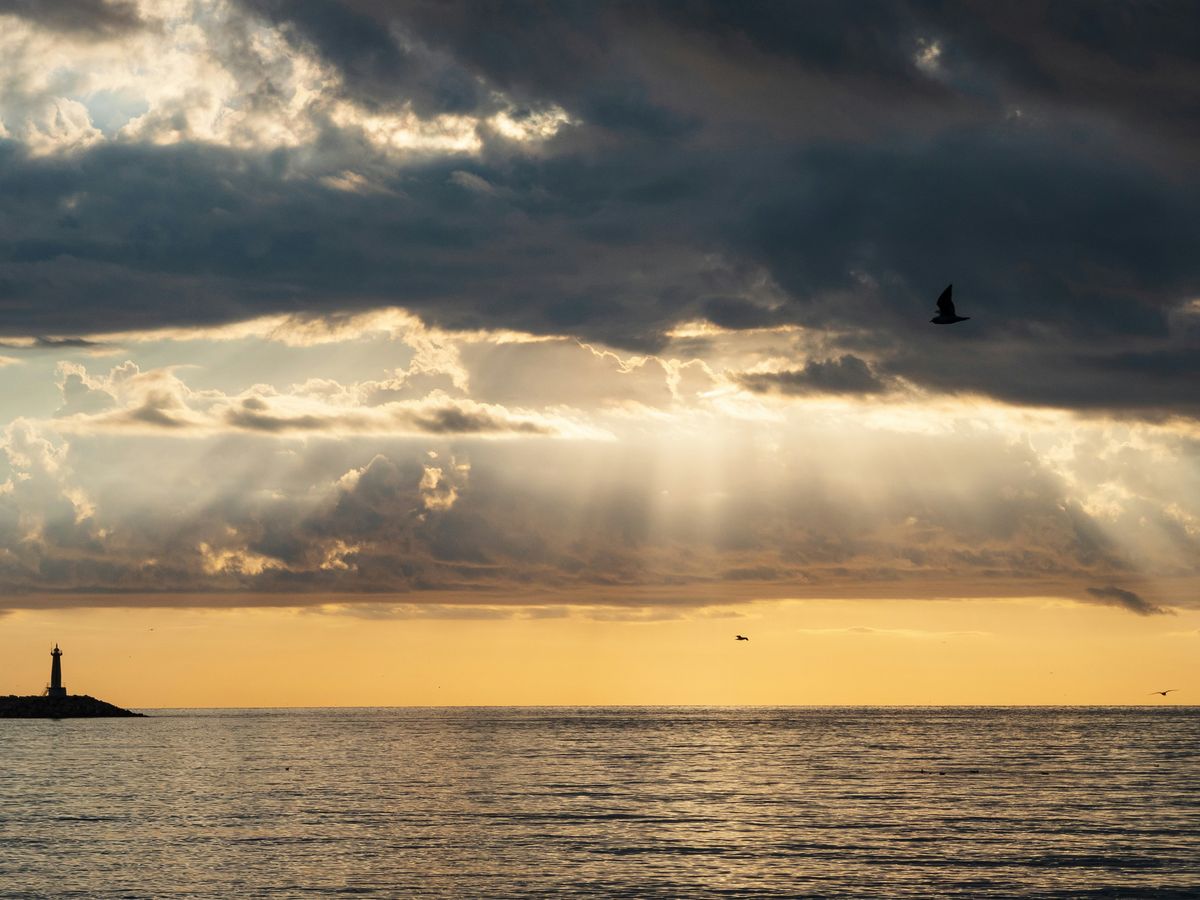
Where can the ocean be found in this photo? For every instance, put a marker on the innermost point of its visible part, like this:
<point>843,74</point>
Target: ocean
<point>605,802</point>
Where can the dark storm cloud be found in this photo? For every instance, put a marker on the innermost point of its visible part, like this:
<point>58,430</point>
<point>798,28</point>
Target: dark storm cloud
<point>1135,62</point>
<point>845,375</point>
<point>1115,596</point>
<point>453,57</point>
<point>852,158</point>
<point>196,235</point>
<point>95,18</point>
<point>378,62</point>
<point>1053,233</point>
<point>620,65</point>
<point>1065,254</point>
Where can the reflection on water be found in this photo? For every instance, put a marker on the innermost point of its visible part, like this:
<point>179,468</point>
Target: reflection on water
<point>609,802</point>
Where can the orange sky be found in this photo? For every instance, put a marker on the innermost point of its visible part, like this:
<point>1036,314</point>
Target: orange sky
<point>807,652</point>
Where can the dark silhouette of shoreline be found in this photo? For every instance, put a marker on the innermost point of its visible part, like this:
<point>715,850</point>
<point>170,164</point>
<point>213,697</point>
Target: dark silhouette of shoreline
<point>56,703</point>
<point>77,706</point>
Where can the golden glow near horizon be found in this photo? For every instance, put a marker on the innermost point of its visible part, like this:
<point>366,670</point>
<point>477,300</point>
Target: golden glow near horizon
<point>1032,651</point>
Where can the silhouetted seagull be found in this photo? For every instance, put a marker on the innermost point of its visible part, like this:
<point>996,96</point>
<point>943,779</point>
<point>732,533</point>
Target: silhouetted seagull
<point>1164,693</point>
<point>741,637</point>
<point>946,314</point>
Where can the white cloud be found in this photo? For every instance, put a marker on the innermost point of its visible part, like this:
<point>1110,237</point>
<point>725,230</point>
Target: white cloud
<point>928,56</point>
<point>207,71</point>
<point>439,485</point>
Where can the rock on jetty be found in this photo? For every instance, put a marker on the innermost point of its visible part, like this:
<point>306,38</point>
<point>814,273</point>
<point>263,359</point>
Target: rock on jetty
<point>77,706</point>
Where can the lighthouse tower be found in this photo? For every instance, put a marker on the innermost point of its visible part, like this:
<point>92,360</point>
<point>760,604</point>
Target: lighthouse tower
<point>56,688</point>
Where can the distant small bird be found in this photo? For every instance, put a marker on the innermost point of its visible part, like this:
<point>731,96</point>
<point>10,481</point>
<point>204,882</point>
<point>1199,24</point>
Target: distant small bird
<point>741,637</point>
<point>946,314</point>
<point>1164,693</point>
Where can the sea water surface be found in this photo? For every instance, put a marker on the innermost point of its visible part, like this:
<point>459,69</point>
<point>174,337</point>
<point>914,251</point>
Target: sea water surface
<point>629,802</point>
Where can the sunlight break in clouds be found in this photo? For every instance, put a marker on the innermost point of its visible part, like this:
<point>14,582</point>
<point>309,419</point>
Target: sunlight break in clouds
<point>809,545</point>
<point>206,71</point>
<point>781,494</point>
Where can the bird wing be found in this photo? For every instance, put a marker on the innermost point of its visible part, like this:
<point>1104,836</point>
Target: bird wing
<point>944,304</point>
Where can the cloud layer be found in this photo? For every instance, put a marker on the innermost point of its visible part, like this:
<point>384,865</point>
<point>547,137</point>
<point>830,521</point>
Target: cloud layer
<point>664,481</point>
<point>670,163</point>
<point>599,302</point>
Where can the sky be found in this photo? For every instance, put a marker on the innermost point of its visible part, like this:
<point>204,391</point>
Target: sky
<point>365,353</point>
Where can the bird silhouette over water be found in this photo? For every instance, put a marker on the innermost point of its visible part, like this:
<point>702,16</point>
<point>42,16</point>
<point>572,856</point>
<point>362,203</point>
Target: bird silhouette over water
<point>1164,693</point>
<point>946,314</point>
<point>741,637</point>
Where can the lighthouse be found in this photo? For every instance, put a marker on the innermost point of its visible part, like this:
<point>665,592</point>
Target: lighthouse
<point>56,688</point>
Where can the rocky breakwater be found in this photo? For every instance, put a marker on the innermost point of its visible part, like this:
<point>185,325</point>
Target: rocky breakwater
<point>78,706</point>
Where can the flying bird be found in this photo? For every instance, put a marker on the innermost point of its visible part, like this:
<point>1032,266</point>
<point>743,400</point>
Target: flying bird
<point>946,314</point>
<point>741,637</point>
<point>1164,693</point>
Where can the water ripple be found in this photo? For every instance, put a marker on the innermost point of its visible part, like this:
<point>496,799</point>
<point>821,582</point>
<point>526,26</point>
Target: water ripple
<point>664,802</point>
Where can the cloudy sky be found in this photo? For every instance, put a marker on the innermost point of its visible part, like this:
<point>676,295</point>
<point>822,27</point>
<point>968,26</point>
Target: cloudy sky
<point>424,352</point>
